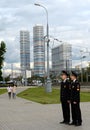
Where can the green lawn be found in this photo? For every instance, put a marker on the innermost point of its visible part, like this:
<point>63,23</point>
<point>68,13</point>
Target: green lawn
<point>39,95</point>
<point>2,91</point>
<point>85,96</point>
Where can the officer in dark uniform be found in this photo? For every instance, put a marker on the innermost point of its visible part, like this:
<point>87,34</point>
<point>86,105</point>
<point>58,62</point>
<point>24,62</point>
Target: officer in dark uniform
<point>65,97</point>
<point>75,100</point>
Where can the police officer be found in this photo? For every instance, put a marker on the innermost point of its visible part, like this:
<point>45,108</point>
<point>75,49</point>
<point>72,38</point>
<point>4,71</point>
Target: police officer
<point>65,97</point>
<point>75,100</point>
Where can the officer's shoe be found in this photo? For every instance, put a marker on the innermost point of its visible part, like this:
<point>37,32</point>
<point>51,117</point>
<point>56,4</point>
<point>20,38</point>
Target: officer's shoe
<point>72,123</point>
<point>78,124</point>
<point>62,122</point>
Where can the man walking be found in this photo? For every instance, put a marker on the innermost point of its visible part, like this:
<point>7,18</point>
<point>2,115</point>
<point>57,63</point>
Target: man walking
<point>65,97</point>
<point>75,100</point>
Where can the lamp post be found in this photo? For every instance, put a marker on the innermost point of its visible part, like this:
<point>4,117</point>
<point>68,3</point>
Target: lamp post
<point>12,72</point>
<point>82,57</point>
<point>48,86</point>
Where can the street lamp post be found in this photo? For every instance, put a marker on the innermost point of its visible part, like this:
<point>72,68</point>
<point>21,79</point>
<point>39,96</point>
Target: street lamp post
<point>48,86</point>
<point>82,57</point>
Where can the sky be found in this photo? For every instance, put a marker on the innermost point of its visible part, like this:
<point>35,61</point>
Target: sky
<point>69,21</point>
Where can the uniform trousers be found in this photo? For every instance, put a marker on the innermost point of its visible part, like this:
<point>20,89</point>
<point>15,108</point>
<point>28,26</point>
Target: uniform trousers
<point>66,111</point>
<point>76,113</point>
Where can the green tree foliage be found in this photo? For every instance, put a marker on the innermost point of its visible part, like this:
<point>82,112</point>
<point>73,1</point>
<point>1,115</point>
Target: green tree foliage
<point>88,72</point>
<point>88,69</point>
<point>2,57</point>
<point>7,78</point>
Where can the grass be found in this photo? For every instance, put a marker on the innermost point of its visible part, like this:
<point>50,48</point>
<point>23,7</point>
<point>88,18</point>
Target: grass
<point>85,96</point>
<point>2,91</point>
<point>39,95</point>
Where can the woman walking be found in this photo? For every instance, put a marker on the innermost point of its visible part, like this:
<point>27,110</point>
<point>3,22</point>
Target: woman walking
<point>9,89</point>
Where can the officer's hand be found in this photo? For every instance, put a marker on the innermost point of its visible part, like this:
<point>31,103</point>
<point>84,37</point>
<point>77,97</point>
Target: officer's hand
<point>74,102</point>
<point>68,101</point>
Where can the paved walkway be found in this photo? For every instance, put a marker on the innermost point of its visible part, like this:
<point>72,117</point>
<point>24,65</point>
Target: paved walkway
<point>22,114</point>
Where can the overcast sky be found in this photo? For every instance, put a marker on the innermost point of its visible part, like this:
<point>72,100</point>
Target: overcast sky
<point>69,21</point>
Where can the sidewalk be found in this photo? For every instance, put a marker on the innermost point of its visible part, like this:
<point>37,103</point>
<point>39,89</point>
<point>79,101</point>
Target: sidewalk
<point>22,114</point>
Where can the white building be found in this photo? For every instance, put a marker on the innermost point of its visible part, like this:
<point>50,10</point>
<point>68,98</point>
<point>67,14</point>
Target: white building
<point>62,58</point>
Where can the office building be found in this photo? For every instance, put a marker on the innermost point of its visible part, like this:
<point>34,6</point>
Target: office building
<point>24,51</point>
<point>39,50</point>
<point>62,58</point>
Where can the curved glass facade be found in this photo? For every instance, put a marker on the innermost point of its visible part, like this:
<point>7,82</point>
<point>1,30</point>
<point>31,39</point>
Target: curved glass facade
<point>39,50</point>
<point>24,51</point>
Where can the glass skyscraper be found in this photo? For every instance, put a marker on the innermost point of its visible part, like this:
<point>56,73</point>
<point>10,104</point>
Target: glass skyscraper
<point>24,51</point>
<point>39,50</point>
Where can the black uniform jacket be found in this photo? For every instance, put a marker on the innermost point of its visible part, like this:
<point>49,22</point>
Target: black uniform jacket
<point>65,92</point>
<point>75,91</point>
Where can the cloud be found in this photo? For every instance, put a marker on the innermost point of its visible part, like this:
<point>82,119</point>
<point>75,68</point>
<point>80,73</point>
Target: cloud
<point>69,21</point>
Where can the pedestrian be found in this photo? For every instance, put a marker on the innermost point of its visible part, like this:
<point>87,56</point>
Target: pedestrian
<point>65,97</point>
<point>9,89</point>
<point>75,100</point>
<point>14,91</point>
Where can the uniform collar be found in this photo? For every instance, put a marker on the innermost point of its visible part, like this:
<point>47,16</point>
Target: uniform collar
<point>74,80</point>
<point>64,80</point>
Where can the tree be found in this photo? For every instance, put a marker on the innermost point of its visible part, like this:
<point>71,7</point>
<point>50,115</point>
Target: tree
<point>88,73</point>
<point>2,58</point>
<point>88,69</point>
<point>7,78</point>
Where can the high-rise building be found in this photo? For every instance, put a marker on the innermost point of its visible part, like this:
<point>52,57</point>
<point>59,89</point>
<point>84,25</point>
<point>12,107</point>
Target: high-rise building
<point>24,51</point>
<point>39,50</point>
<point>62,58</point>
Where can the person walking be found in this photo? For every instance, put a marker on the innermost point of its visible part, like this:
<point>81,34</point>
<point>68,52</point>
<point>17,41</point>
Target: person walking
<point>14,91</point>
<point>75,100</point>
<point>9,89</point>
<point>65,97</point>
